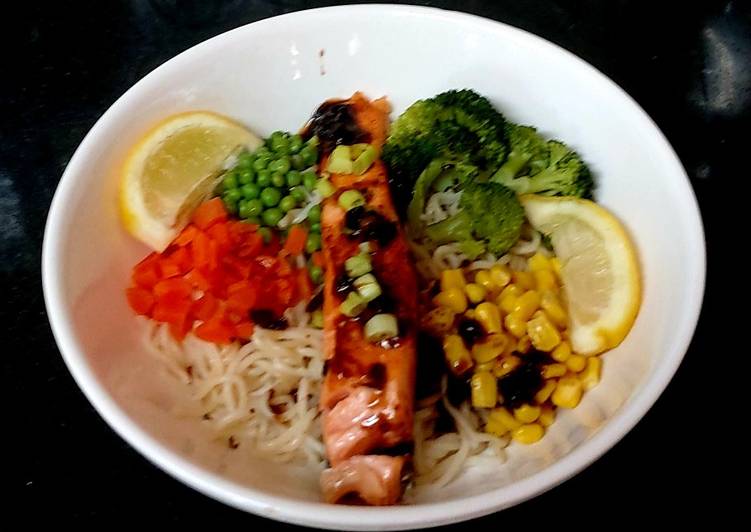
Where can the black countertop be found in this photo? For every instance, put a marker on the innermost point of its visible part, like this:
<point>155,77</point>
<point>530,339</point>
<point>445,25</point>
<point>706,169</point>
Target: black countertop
<point>64,63</point>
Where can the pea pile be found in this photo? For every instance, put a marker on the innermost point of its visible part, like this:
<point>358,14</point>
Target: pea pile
<point>278,177</point>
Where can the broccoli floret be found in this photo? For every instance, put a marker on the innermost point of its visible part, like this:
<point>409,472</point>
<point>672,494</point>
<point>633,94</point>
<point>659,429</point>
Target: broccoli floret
<point>489,212</point>
<point>565,175</point>
<point>528,153</point>
<point>449,173</point>
<point>458,126</point>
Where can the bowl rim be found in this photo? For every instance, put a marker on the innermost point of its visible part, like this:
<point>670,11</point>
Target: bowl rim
<point>319,514</point>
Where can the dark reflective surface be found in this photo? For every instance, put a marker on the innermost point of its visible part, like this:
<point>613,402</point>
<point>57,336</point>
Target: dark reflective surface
<point>64,63</point>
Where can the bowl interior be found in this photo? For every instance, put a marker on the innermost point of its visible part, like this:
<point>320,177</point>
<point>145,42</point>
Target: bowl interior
<point>271,75</point>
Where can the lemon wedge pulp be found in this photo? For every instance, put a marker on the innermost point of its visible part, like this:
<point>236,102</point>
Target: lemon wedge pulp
<point>174,167</point>
<point>599,269</point>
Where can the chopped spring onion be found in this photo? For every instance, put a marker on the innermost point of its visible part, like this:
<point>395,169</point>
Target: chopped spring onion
<point>353,305</point>
<point>367,286</point>
<point>316,319</point>
<point>381,327</point>
<point>358,265</point>
<point>365,247</point>
<point>349,199</point>
<point>365,160</point>
<point>325,188</point>
<point>357,149</point>
<point>340,161</point>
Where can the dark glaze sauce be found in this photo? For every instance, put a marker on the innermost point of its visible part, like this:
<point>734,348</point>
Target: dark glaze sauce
<point>368,225</point>
<point>431,365</point>
<point>268,320</point>
<point>334,123</point>
<point>521,385</point>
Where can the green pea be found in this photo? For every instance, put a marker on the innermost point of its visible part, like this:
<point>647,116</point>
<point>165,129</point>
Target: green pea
<point>250,191</point>
<point>293,178</point>
<point>247,175</point>
<point>264,178</point>
<point>315,228</point>
<point>287,203</point>
<point>263,152</point>
<point>230,180</point>
<point>253,220</point>
<point>309,155</point>
<point>280,143</point>
<point>313,243</point>
<point>281,165</point>
<point>270,196</point>
<point>272,216</point>
<point>245,160</point>
<point>231,206</point>
<point>261,163</point>
<point>309,180</point>
<point>233,195</point>
<point>314,214</point>
<point>299,194</point>
<point>295,143</point>
<point>277,179</point>
<point>242,209</point>
<point>316,274</point>
<point>254,207</point>
<point>297,162</point>
<point>266,233</point>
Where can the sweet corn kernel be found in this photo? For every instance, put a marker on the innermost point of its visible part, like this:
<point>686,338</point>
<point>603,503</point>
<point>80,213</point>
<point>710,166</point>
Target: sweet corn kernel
<point>500,275</point>
<point>555,265</point>
<point>544,336</point>
<point>547,416</point>
<point>527,413</point>
<point>551,371</point>
<point>591,374</point>
<point>529,433</point>
<point>527,304</point>
<point>503,416</point>
<point>506,365</point>
<point>562,352</point>
<point>452,298</point>
<point>567,393</point>
<point>475,292</point>
<point>439,321</point>
<point>576,363</point>
<point>482,277</point>
<point>489,317</point>
<point>524,344</point>
<point>484,391</point>
<point>495,427</point>
<point>507,298</point>
<point>516,324</point>
<point>525,280</point>
<point>554,309</point>
<point>546,391</point>
<point>452,279</point>
<point>538,262</point>
<point>457,355</point>
<point>545,280</point>
<point>470,314</point>
<point>490,348</point>
<point>485,366</point>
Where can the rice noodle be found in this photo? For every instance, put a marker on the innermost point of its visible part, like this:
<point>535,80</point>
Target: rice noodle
<point>263,395</point>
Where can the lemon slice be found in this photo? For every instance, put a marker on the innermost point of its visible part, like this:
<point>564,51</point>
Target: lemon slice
<point>173,168</point>
<point>599,269</point>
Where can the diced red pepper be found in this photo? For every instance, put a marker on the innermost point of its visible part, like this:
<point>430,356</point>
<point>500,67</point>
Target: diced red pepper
<point>140,300</point>
<point>295,243</point>
<point>208,213</point>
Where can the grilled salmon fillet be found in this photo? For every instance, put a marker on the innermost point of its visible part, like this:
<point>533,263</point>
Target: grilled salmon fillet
<point>368,391</point>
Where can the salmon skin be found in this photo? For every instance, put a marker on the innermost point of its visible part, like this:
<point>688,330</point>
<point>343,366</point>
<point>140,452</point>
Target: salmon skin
<point>367,399</point>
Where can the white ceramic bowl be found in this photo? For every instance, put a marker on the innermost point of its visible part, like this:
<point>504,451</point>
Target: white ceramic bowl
<point>271,75</point>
